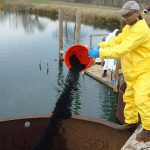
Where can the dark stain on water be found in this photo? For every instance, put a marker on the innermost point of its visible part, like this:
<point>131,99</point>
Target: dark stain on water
<point>62,108</point>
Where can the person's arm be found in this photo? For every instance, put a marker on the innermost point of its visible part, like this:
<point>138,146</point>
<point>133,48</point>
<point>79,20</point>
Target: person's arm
<point>132,40</point>
<point>94,52</point>
<point>111,42</point>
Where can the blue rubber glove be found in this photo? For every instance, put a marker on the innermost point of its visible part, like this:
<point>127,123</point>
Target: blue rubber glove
<point>94,52</point>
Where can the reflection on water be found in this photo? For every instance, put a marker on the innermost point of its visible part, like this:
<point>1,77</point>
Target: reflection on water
<point>29,22</point>
<point>60,79</point>
<point>109,23</point>
<point>108,104</point>
<point>32,78</point>
<point>44,67</point>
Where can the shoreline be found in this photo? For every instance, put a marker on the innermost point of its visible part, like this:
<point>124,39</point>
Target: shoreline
<point>96,16</point>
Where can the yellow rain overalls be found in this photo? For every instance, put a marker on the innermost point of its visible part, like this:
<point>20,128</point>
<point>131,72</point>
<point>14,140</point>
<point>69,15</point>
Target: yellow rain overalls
<point>132,47</point>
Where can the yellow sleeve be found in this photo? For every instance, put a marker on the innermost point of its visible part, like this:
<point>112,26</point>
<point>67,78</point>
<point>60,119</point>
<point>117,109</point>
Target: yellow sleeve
<point>114,41</point>
<point>131,40</point>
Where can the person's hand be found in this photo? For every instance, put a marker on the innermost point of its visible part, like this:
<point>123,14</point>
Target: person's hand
<point>94,52</point>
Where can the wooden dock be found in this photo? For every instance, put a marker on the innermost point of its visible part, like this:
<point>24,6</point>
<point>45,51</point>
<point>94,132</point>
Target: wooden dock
<point>96,72</point>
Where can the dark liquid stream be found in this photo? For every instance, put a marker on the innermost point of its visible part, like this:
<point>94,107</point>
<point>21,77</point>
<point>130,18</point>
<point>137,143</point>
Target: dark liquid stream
<point>62,108</point>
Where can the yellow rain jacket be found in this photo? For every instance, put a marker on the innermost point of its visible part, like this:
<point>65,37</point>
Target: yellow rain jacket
<point>132,47</point>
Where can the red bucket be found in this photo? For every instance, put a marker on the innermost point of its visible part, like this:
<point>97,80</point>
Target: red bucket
<point>81,53</point>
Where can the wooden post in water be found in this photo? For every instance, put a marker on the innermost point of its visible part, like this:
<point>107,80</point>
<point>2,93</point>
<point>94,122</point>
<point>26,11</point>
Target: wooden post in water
<point>60,34</point>
<point>78,25</point>
<point>116,73</point>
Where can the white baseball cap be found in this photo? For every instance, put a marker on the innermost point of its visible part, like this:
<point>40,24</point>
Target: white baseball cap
<point>129,6</point>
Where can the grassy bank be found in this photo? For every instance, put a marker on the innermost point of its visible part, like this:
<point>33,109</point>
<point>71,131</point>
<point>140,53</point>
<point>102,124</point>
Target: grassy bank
<point>68,6</point>
<point>107,17</point>
<point>98,16</point>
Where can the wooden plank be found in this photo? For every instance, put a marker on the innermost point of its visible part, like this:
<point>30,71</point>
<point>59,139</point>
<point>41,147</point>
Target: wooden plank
<point>60,34</point>
<point>78,25</point>
<point>133,144</point>
<point>116,73</point>
<point>95,35</point>
<point>96,72</point>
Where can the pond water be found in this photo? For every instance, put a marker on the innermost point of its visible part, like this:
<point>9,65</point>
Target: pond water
<point>32,78</point>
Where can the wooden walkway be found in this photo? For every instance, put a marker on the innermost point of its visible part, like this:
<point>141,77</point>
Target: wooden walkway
<point>96,72</point>
<point>133,144</point>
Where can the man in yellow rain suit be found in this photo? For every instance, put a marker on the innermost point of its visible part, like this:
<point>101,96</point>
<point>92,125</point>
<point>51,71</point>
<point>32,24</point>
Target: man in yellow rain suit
<point>132,47</point>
